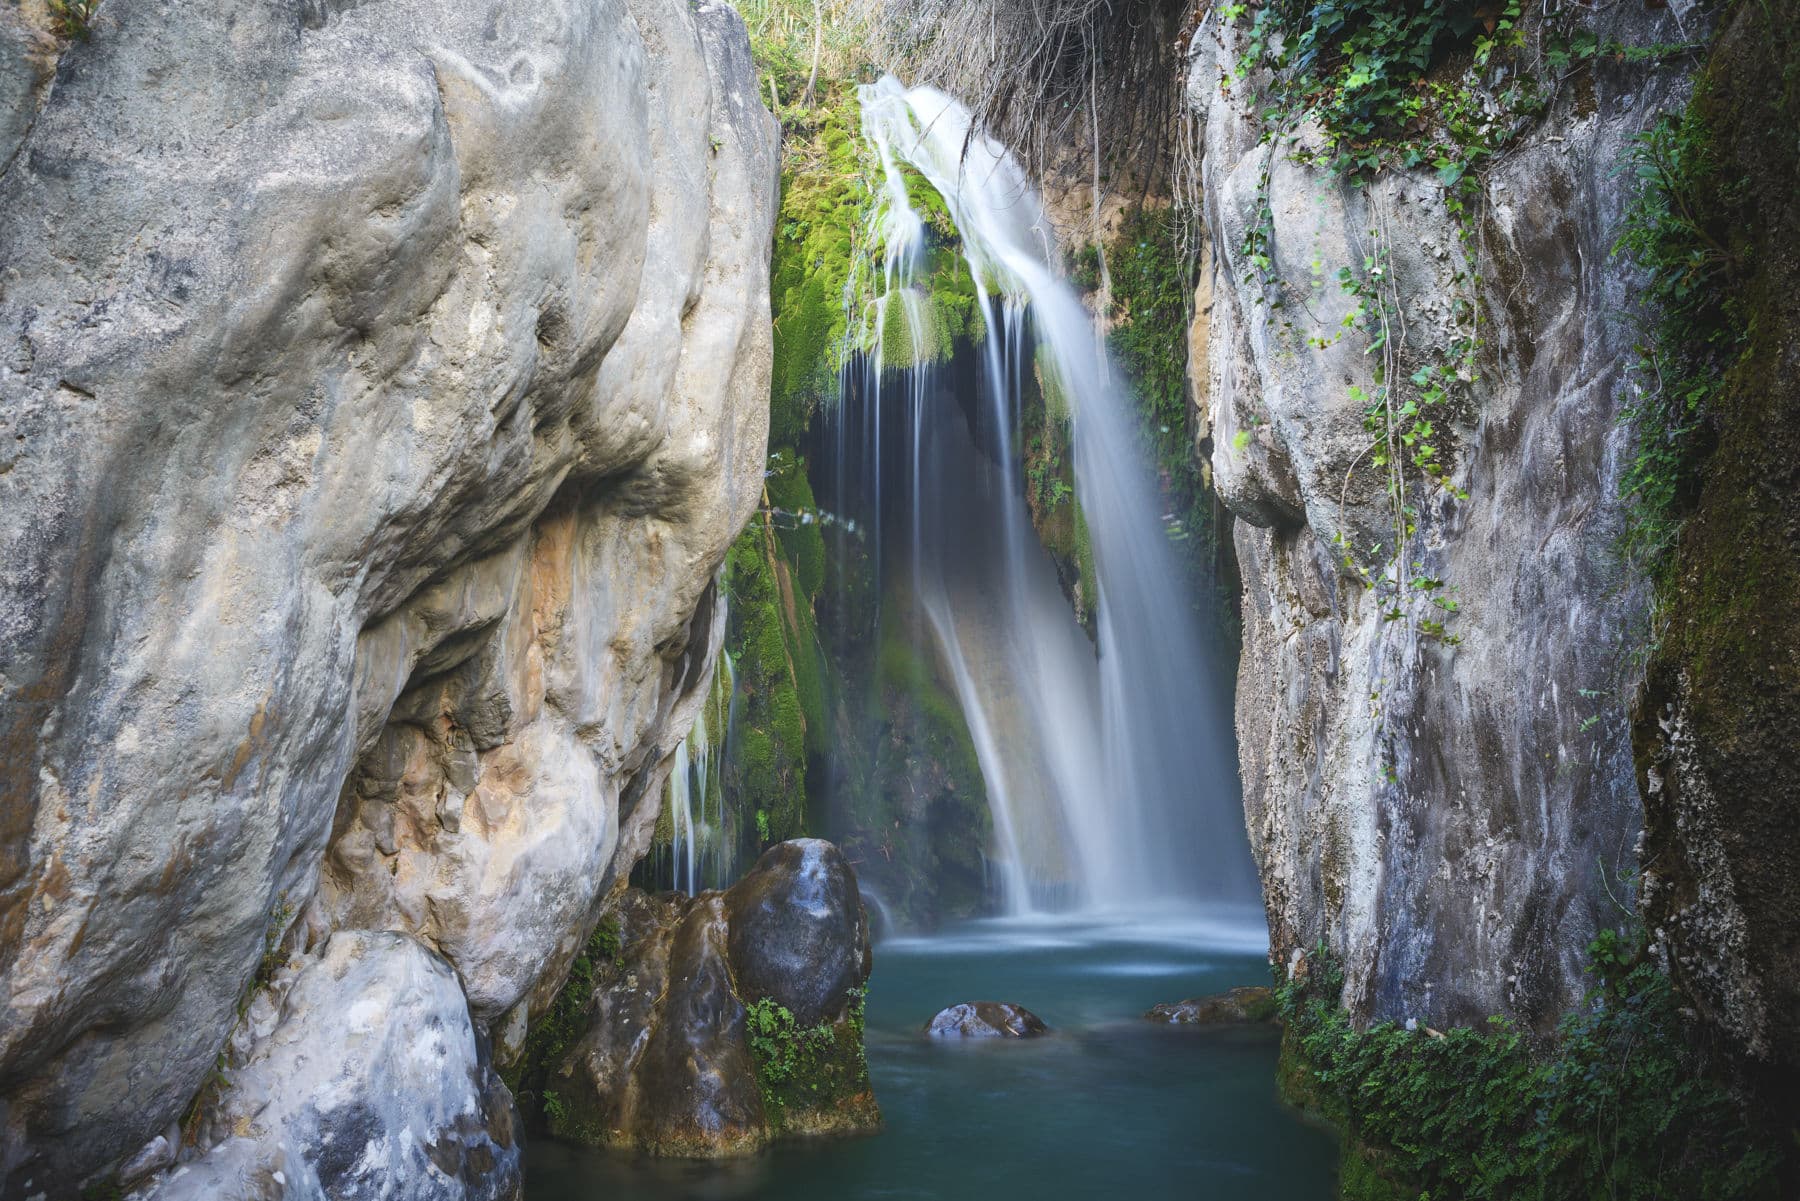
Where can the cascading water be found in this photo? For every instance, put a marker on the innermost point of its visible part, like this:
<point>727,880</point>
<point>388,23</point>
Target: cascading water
<point>697,847</point>
<point>1109,773</point>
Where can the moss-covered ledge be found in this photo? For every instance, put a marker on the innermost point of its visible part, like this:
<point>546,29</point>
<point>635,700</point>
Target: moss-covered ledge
<point>1623,1102</point>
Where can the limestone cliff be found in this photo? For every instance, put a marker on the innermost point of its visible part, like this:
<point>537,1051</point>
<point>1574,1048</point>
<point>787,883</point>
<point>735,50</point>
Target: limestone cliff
<point>1435,742</point>
<point>380,388</point>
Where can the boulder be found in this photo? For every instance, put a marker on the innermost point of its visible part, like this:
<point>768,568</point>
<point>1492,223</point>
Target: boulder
<point>718,1023</point>
<point>372,1084</point>
<point>1236,1005</point>
<point>986,1019</point>
<point>799,934</point>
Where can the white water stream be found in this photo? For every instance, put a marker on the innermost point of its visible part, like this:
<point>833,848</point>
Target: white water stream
<point>1109,769</point>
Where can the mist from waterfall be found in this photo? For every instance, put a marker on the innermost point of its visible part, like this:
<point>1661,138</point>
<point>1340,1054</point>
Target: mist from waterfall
<point>1108,764</point>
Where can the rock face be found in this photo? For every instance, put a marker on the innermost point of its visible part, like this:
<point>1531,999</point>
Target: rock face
<point>380,387</point>
<point>986,1019</point>
<point>373,1077</point>
<point>1720,712</point>
<point>1455,820</point>
<point>725,1020</point>
<point>1235,1005</point>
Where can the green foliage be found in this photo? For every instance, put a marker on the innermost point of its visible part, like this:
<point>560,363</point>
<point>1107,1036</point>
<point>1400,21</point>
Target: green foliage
<point>555,1112</point>
<point>556,1030</point>
<point>1616,1108</point>
<point>1358,68</point>
<point>806,1068</point>
<point>73,20</point>
<point>1694,329</point>
<point>1152,292</point>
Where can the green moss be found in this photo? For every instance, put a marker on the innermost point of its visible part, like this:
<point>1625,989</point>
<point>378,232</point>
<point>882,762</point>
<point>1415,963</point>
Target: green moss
<point>1717,225</point>
<point>555,1032</point>
<point>773,574</point>
<point>1618,1106</point>
<point>802,541</point>
<point>1152,290</point>
<point>809,1077</point>
<point>824,208</point>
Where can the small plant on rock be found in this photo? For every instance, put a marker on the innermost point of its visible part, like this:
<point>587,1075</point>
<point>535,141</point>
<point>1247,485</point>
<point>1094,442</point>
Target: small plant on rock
<point>73,20</point>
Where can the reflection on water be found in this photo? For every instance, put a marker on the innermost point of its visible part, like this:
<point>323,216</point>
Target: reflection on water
<point>1108,1106</point>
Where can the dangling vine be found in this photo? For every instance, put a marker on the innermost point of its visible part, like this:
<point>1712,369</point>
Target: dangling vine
<point>1383,85</point>
<point>1356,75</point>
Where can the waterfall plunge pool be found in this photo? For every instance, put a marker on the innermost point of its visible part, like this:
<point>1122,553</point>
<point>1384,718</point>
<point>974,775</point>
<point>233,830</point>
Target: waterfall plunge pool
<point>1107,1106</point>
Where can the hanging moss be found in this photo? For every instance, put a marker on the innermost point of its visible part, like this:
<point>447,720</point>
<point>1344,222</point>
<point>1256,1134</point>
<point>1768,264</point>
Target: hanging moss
<point>824,203</point>
<point>797,523</point>
<point>780,694</point>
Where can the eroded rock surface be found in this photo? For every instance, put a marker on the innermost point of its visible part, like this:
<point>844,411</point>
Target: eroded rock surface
<point>382,387</point>
<point>372,1083</point>
<point>1456,820</point>
<point>724,1020</point>
<point>986,1019</point>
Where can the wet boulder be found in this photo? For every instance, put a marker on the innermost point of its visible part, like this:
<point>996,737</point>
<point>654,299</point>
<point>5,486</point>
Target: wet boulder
<point>1235,1006</point>
<point>799,934</point>
<point>986,1019</point>
<point>708,1026</point>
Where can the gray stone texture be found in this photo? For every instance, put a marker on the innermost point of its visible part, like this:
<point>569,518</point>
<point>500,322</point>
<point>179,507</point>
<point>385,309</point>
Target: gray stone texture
<point>1455,821</point>
<point>380,387</point>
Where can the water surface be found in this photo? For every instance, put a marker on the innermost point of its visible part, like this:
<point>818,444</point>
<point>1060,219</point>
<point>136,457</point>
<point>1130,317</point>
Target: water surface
<point>1108,1107</point>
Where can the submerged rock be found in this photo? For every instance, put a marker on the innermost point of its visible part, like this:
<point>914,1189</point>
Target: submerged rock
<point>1235,1005</point>
<point>986,1019</point>
<point>722,1021</point>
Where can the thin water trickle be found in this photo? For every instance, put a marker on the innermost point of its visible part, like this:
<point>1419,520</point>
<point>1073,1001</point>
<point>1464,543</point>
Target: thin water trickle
<point>1108,765</point>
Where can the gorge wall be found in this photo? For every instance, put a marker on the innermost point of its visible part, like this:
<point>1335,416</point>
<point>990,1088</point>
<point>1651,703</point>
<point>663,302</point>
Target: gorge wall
<point>1547,716</point>
<point>383,387</point>
<point>1443,793</point>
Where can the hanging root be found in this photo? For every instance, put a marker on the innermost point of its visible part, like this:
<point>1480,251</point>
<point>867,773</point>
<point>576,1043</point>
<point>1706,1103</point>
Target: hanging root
<point>1043,75</point>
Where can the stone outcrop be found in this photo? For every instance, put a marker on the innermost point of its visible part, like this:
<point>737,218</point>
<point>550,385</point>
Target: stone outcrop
<point>1455,820</point>
<point>371,1079</point>
<point>722,1021</point>
<point>986,1019</point>
<point>1232,1006</point>
<point>382,385</point>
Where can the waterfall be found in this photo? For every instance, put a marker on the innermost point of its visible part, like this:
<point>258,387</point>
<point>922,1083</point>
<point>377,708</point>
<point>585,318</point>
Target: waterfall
<point>697,838</point>
<point>1109,770</point>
